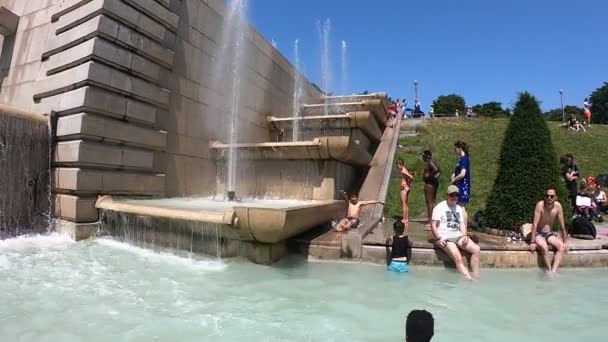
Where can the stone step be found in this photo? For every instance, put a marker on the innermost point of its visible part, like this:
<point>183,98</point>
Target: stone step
<point>342,149</point>
<point>340,124</point>
<point>101,75</point>
<point>79,153</point>
<point>354,98</point>
<point>375,106</point>
<point>95,182</point>
<point>83,126</point>
<point>98,101</point>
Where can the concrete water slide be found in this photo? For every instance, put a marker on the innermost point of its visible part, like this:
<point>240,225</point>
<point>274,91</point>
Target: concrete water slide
<point>335,245</point>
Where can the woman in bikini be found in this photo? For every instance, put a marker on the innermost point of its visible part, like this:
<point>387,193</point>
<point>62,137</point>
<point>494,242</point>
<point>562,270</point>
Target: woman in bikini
<point>406,184</point>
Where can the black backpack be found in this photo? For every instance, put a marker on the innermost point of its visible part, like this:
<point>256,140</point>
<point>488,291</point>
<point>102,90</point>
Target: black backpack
<point>477,221</point>
<point>582,228</point>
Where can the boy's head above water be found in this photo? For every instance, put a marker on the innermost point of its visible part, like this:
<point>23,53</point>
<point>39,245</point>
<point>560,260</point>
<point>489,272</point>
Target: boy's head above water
<point>399,227</point>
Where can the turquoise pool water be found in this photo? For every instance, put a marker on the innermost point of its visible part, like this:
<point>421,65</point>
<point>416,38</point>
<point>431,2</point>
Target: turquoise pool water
<point>52,289</point>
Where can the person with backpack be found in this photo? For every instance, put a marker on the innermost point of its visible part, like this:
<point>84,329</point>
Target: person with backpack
<point>546,213</point>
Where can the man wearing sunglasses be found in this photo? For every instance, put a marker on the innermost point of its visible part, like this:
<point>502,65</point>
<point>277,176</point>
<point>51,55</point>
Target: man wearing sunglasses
<point>449,229</point>
<point>546,213</point>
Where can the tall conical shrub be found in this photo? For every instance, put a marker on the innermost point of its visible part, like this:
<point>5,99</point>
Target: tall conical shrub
<point>528,166</point>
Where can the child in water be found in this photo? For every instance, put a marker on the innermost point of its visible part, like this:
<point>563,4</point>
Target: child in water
<point>398,257</point>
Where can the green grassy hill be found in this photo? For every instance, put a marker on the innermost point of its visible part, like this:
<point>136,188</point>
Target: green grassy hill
<point>484,138</point>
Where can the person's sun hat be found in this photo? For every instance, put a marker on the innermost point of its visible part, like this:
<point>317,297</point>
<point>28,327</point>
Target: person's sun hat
<point>452,189</point>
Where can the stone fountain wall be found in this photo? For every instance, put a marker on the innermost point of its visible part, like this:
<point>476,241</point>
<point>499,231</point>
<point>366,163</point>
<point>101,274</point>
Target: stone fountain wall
<point>127,86</point>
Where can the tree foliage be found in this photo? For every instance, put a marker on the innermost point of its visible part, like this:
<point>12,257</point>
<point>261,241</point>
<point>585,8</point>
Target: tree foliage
<point>492,109</point>
<point>599,105</point>
<point>448,104</point>
<point>556,114</point>
<point>528,166</point>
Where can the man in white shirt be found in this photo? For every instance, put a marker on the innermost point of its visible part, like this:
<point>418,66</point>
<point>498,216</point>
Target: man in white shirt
<point>449,229</point>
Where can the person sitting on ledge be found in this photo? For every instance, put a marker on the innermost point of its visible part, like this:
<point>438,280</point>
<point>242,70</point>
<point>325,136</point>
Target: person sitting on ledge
<point>449,229</point>
<point>546,213</point>
<point>398,257</point>
<point>354,208</point>
<point>600,199</point>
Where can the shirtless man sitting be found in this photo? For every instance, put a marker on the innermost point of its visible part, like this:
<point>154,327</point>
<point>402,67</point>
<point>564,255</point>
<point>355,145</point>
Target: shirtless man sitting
<point>354,208</point>
<point>546,213</point>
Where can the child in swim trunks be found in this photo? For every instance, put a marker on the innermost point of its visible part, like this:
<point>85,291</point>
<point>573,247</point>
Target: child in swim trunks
<point>352,219</point>
<point>398,259</point>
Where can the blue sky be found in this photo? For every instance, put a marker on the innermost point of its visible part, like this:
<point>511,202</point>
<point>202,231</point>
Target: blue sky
<point>482,49</point>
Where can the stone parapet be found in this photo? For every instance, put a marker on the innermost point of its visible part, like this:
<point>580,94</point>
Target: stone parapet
<point>80,153</point>
<point>93,182</point>
<point>105,77</point>
<point>433,257</point>
<point>116,9</point>
<point>112,31</point>
<point>76,231</point>
<point>75,208</point>
<point>90,127</point>
<point>100,50</point>
<point>101,102</point>
<point>493,259</point>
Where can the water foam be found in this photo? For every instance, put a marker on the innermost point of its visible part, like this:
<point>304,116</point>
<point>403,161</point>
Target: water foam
<point>26,243</point>
<point>149,255</point>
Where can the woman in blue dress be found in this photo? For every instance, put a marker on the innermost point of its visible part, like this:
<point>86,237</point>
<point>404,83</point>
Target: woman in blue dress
<point>462,173</point>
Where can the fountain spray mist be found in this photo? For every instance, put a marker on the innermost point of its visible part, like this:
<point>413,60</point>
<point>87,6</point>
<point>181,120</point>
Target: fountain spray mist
<point>297,91</point>
<point>226,76</point>
<point>344,69</point>
<point>324,35</point>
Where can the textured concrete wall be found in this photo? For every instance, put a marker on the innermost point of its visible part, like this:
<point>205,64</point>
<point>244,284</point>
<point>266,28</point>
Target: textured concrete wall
<point>127,83</point>
<point>268,80</point>
<point>299,179</point>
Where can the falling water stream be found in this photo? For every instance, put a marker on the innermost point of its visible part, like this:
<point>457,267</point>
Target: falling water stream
<point>226,74</point>
<point>324,37</point>
<point>344,68</point>
<point>24,173</point>
<point>297,92</point>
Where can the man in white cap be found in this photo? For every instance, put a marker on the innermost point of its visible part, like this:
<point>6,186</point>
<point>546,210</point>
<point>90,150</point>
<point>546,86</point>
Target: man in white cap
<point>449,229</point>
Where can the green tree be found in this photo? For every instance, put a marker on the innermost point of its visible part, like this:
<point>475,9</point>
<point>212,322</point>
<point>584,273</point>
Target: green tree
<point>556,114</point>
<point>492,109</point>
<point>448,104</point>
<point>599,105</point>
<point>528,166</point>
